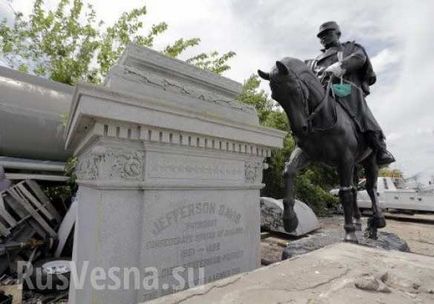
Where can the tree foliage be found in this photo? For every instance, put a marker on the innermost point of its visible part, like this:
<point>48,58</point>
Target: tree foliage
<point>213,62</point>
<point>69,44</point>
<point>312,185</point>
<point>251,95</point>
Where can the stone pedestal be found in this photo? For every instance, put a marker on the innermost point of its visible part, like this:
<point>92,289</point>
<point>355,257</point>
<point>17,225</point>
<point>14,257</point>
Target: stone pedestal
<point>169,172</point>
<point>340,273</point>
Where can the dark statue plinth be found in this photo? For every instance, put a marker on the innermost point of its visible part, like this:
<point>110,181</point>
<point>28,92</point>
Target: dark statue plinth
<point>385,240</point>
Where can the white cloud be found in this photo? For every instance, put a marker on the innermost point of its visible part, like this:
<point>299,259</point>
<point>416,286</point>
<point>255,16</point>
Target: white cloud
<point>397,34</point>
<point>384,60</point>
<point>6,12</point>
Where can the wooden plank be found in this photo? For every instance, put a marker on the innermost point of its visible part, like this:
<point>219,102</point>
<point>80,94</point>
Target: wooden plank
<point>26,205</point>
<point>276,241</point>
<point>34,224</point>
<point>43,198</point>
<point>4,230</point>
<point>18,209</point>
<point>45,177</point>
<point>264,235</point>
<point>36,203</point>
<point>37,190</point>
<point>5,214</point>
<point>28,218</point>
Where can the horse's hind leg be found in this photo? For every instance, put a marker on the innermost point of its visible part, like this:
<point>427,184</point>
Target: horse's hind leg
<point>377,220</point>
<point>297,161</point>
<point>356,212</point>
<point>345,171</point>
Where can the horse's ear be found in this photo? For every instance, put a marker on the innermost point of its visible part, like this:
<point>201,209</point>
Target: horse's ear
<point>264,75</point>
<point>283,69</point>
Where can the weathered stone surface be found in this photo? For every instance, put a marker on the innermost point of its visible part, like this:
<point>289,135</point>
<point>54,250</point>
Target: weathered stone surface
<point>271,217</point>
<point>371,283</point>
<point>146,73</point>
<point>169,172</point>
<point>322,238</point>
<point>337,274</point>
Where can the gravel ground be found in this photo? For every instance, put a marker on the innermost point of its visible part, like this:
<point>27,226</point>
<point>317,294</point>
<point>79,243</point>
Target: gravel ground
<point>419,236</point>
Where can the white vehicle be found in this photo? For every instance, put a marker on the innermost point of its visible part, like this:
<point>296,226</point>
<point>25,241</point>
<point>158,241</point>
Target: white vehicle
<point>392,197</point>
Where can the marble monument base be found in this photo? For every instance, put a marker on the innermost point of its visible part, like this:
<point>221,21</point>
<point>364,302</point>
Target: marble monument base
<point>169,172</point>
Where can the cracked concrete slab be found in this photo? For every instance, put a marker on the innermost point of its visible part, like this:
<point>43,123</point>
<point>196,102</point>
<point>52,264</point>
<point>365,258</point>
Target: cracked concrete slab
<point>337,274</point>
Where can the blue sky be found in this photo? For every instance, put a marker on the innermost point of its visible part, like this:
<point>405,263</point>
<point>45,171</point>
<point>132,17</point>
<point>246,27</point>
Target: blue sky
<point>398,35</point>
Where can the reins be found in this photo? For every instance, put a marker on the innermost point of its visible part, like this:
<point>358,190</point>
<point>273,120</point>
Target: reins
<point>317,109</point>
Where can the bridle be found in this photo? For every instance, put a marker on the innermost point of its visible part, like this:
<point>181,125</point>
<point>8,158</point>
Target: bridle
<point>310,115</point>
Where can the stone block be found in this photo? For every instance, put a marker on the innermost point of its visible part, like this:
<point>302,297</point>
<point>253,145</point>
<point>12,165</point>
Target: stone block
<point>165,179</point>
<point>271,217</point>
<point>340,273</point>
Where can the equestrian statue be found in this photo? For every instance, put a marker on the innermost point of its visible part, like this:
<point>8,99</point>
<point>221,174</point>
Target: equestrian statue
<point>331,122</point>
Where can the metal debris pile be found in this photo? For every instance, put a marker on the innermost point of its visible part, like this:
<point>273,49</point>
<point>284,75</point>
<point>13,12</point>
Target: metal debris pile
<point>29,236</point>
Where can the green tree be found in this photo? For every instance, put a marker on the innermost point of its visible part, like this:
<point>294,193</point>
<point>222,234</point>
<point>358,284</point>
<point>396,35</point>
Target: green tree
<point>312,185</point>
<point>251,95</point>
<point>68,44</point>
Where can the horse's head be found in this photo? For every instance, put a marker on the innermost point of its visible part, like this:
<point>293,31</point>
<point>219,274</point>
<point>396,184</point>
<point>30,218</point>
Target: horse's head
<point>289,91</point>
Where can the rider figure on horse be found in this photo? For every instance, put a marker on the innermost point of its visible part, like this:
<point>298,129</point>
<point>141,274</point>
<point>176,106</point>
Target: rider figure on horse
<point>349,63</point>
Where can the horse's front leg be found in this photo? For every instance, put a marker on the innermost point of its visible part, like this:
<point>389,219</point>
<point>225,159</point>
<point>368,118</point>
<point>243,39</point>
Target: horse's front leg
<point>346,195</point>
<point>297,161</point>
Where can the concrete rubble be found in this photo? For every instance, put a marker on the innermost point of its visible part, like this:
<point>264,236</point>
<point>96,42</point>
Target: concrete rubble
<point>271,217</point>
<point>339,273</point>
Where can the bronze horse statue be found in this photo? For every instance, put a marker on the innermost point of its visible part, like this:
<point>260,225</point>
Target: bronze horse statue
<point>324,132</point>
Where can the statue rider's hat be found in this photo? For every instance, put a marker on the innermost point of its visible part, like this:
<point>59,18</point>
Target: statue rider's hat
<point>330,25</point>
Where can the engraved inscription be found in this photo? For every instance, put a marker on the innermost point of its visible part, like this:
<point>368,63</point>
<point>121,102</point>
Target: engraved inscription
<point>204,235</point>
<point>186,211</point>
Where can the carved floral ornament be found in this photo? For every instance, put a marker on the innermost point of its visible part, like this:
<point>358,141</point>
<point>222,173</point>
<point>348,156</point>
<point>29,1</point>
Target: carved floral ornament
<point>111,164</point>
<point>253,171</point>
<point>127,164</point>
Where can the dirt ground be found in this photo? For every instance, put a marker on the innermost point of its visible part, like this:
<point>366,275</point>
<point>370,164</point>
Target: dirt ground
<point>419,236</point>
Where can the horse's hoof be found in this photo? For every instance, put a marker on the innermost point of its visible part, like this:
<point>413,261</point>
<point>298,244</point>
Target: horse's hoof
<point>290,224</point>
<point>372,235</point>
<point>290,221</point>
<point>380,222</point>
<point>351,237</point>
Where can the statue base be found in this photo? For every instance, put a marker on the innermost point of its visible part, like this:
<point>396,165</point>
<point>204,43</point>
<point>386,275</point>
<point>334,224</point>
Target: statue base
<point>386,240</point>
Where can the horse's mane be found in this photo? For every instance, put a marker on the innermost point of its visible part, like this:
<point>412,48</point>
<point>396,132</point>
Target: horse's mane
<point>296,65</point>
<point>304,73</point>
<point>308,82</point>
